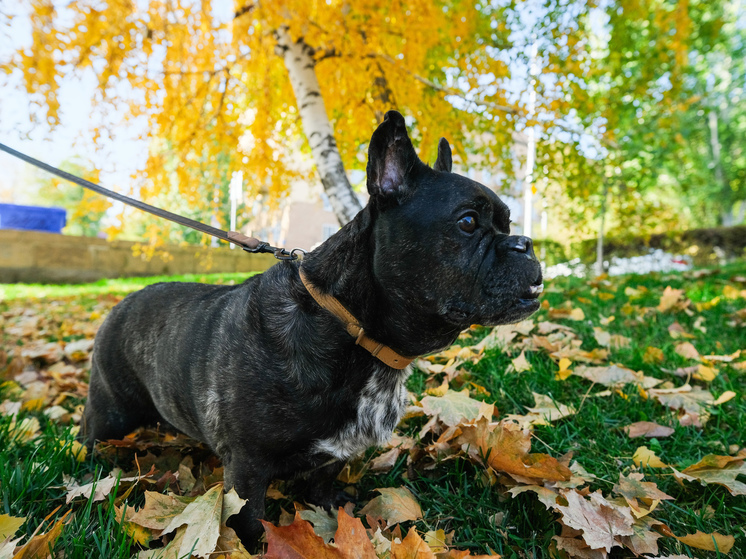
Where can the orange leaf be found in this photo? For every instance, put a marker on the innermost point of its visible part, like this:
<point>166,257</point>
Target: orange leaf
<point>351,538</point>
<point>412,547</point>
<point>297,541</point>
<point>506,447</point>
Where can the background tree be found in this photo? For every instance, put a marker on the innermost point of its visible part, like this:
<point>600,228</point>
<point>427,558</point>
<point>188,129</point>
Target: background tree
<point>274,70</point>
<point>85,209</point>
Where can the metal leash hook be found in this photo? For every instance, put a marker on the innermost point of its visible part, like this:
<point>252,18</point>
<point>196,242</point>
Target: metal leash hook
<point>295,254</point>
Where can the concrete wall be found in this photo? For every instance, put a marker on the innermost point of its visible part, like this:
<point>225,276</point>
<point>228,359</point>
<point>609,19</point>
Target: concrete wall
<point>35,257</point>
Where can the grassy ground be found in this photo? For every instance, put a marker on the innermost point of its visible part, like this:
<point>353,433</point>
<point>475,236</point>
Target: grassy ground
<point>454,494</point>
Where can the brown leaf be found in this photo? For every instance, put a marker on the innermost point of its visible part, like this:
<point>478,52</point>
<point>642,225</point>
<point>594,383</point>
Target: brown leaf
<point>615,376</point>
<point>506,447</point>
<point>545,411</point>
<point>39,545</point>
<point>632,488</point>
<point>351,538</point>
<point>647,429</point>
<point>412,547</point>
<point>297,541</point>
<point>644,539</point>
<point>159,510</point>
<point>687,350</point>
<point>600,521</point>
<point>710,542</point>
<point>394,505</point>
<point>721,470</point>
<point>669,298</point>
<point>690,402</point>
<point>385,461</point>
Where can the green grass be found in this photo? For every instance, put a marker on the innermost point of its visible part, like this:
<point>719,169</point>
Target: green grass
<point>12,291</point>
<point>454,495</point>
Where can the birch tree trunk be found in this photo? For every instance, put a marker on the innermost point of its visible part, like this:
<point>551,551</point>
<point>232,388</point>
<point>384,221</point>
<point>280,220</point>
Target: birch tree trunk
<point>298,59</point>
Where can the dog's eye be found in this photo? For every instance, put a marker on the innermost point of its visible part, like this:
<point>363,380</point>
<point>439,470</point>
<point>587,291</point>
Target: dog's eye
<point>468,223</point>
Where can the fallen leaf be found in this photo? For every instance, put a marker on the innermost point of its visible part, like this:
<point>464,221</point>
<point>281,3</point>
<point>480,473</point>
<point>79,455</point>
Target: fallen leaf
<point>615,376</point>
<point>545,411</point>
<point>564,369</point>
<point>721,470</point>
<point>456,407</point>
<point>677,331</point>
<point>690,402</point>
<point>506,448</point>
<point>324,522</point>
<point>38,546</point>
<point>297,541</point>
<point>653,355</point>
<point>385,461</point>
<point>394,505</point>
<point>687,350</point>
<point>600,520</point>
<point>158,511</point>
<point>99,488</point>
<point>647,429</point>
<point>351,538</point>
<point>411,547</point>
<point>632,488</point>
<point>669,298</point>
<point>9,525</point>
<point>521,364</point>
<point>709,542</point>
<point>645,457</point>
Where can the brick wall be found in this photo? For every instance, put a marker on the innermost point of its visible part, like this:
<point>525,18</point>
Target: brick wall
<point>35,257</point>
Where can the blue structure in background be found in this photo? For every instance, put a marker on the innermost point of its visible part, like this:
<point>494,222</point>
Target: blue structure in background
<point>33,218</point>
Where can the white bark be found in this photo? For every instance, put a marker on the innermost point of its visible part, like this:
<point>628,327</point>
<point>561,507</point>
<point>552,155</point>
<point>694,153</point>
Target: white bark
<point>300,66</point>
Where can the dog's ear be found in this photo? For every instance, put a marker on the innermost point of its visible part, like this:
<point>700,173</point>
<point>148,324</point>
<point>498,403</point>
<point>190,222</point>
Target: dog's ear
<point>444,161</point>
<point>391,157</point>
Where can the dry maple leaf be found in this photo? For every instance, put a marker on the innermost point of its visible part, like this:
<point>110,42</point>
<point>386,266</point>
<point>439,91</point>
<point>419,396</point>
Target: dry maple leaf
<point>394,505</point>
<point>721,470</point>
<point>455,407</point>
<point>545,411</point>
<point>632,488</point>
<point>615,376</point>
<point>669,298</point>
<point>647,429</point>
<point>39,544</point>
<point>506,448</point>
<point>101,487</point>
<point>690,402</point>
<point>687,350</point>
<point>645,457</point>
<point>297,541</point>
<point>710,542</point>
<point>601,521</point>
<point>9,525</point>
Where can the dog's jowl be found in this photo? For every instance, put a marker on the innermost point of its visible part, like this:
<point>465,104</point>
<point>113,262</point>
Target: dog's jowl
<point>302,367</point>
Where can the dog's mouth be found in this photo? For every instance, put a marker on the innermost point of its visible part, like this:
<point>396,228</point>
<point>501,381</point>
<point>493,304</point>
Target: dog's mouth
<point>533,292</point>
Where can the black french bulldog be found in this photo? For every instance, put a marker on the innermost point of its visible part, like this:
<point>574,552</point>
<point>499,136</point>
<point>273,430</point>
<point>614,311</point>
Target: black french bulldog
<point>275,383</point>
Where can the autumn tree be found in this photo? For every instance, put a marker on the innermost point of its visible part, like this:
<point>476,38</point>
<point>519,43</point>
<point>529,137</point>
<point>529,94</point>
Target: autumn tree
<point>86,210</point>
<point>271,79</point>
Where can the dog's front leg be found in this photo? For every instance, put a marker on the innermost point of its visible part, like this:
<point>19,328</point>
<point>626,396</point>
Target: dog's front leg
<point>250,480</point>
<point>319,486</point>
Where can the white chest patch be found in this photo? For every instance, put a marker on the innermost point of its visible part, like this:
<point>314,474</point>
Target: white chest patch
<point>380,407</point>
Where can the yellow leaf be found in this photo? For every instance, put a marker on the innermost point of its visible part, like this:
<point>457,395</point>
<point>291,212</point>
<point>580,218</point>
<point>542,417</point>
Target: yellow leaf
<point>724,397</point>
<point>9,525</point>
<point>653,355</point>
<point>520,363</point>
<point>577,314</point>
<point>706,374</point>
<point>605,296</point>
<point>709,542</point>
<point>644,457</point>
<point>564,369</point>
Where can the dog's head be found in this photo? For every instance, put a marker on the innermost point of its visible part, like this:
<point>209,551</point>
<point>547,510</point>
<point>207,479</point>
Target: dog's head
<point>442,242</point>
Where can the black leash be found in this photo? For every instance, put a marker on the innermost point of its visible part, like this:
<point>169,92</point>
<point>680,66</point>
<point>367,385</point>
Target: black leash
<point>249,244</point>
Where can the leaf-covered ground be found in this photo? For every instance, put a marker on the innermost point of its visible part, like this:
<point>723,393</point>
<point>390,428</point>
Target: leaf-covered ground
<point>610,424</point>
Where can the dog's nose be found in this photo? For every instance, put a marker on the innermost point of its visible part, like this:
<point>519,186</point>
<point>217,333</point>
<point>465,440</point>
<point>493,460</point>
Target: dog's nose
<point>521,243</point>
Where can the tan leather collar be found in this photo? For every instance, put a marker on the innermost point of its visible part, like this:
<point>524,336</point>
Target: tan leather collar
<point>353,327</point>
